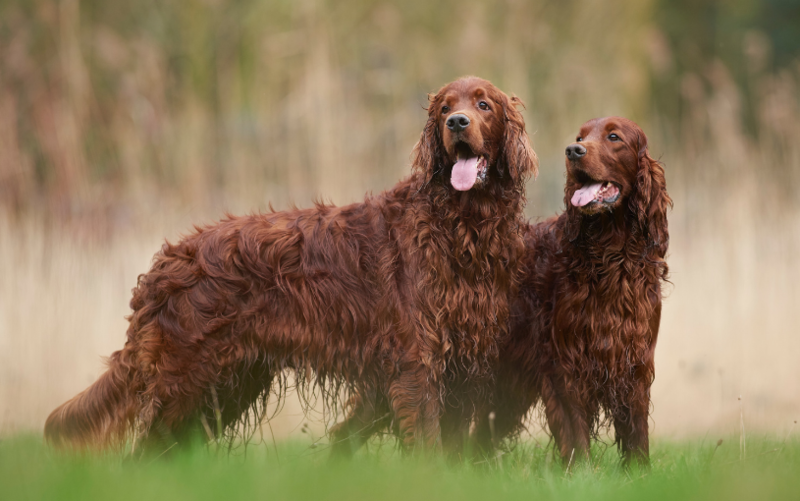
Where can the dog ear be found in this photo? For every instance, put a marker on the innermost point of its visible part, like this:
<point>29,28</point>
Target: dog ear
<point>428,155</point>
<point>518,156</point>
<point>650,200</point>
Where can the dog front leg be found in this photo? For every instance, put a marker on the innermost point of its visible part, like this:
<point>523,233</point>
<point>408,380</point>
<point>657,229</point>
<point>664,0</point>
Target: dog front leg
<point>366,418</point>
<point>415,396</point>
<point>567,422</point>
<point>632,427</point>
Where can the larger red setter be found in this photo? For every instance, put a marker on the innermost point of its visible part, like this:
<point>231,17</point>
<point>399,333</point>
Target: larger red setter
<point>403,297</point>
<point>585,325</point>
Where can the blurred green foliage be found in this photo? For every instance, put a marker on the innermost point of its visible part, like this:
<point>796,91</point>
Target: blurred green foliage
<point>750,37</point>
<point>105,103</point>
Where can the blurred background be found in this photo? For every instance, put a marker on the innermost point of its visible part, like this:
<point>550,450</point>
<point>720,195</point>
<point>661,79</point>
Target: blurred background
<point>124,123</point>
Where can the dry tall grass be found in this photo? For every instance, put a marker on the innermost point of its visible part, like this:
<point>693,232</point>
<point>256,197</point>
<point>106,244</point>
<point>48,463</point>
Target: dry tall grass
<point>113,138</point>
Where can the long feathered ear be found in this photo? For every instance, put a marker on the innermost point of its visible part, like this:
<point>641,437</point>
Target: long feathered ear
<point>650,200</point>
<point>518,156</point>
<point>428,155</point>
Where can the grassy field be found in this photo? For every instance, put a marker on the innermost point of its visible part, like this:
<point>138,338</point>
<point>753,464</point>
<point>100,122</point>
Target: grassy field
<point>124,123</point>
<point>681,470</point>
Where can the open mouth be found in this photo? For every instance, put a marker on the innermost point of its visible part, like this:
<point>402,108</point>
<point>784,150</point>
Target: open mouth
<point>593,192</point>
<point>468,169</point>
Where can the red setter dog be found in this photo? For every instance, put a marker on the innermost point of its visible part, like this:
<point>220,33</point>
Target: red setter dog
<point>584,328</point>
<point>402,297</point>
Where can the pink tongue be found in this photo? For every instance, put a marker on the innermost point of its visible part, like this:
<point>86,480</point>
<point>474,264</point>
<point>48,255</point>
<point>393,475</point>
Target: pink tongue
<point>585,195</point>
<point>465,173</point>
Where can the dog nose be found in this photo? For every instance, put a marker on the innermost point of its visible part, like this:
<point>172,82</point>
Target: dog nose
<point>575,151</point>
<point>457,122</point>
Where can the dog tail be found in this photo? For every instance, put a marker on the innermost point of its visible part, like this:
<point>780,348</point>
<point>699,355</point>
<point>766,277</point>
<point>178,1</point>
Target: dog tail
<point>99,417</point>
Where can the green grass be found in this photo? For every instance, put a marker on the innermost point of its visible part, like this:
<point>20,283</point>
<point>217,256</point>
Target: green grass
<point>686,471</point>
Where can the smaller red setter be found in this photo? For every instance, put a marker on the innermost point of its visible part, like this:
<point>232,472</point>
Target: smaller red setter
<point>584,328</point>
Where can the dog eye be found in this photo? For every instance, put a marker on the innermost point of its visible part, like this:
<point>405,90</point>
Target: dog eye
<point>445,109</point>
<point>613,137</point>
<point>482,105</point>
<point>578,139</point>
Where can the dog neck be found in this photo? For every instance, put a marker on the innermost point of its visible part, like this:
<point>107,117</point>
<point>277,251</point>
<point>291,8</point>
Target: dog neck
<point>597,237</point>
<point>470,226</point>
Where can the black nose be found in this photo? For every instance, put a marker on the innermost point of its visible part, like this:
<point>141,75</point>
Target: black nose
<point>457,122</point>
<point>575,151</point>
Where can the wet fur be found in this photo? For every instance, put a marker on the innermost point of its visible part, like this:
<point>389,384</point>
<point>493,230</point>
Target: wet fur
<point>585,325</point>
<point>400,300</point>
